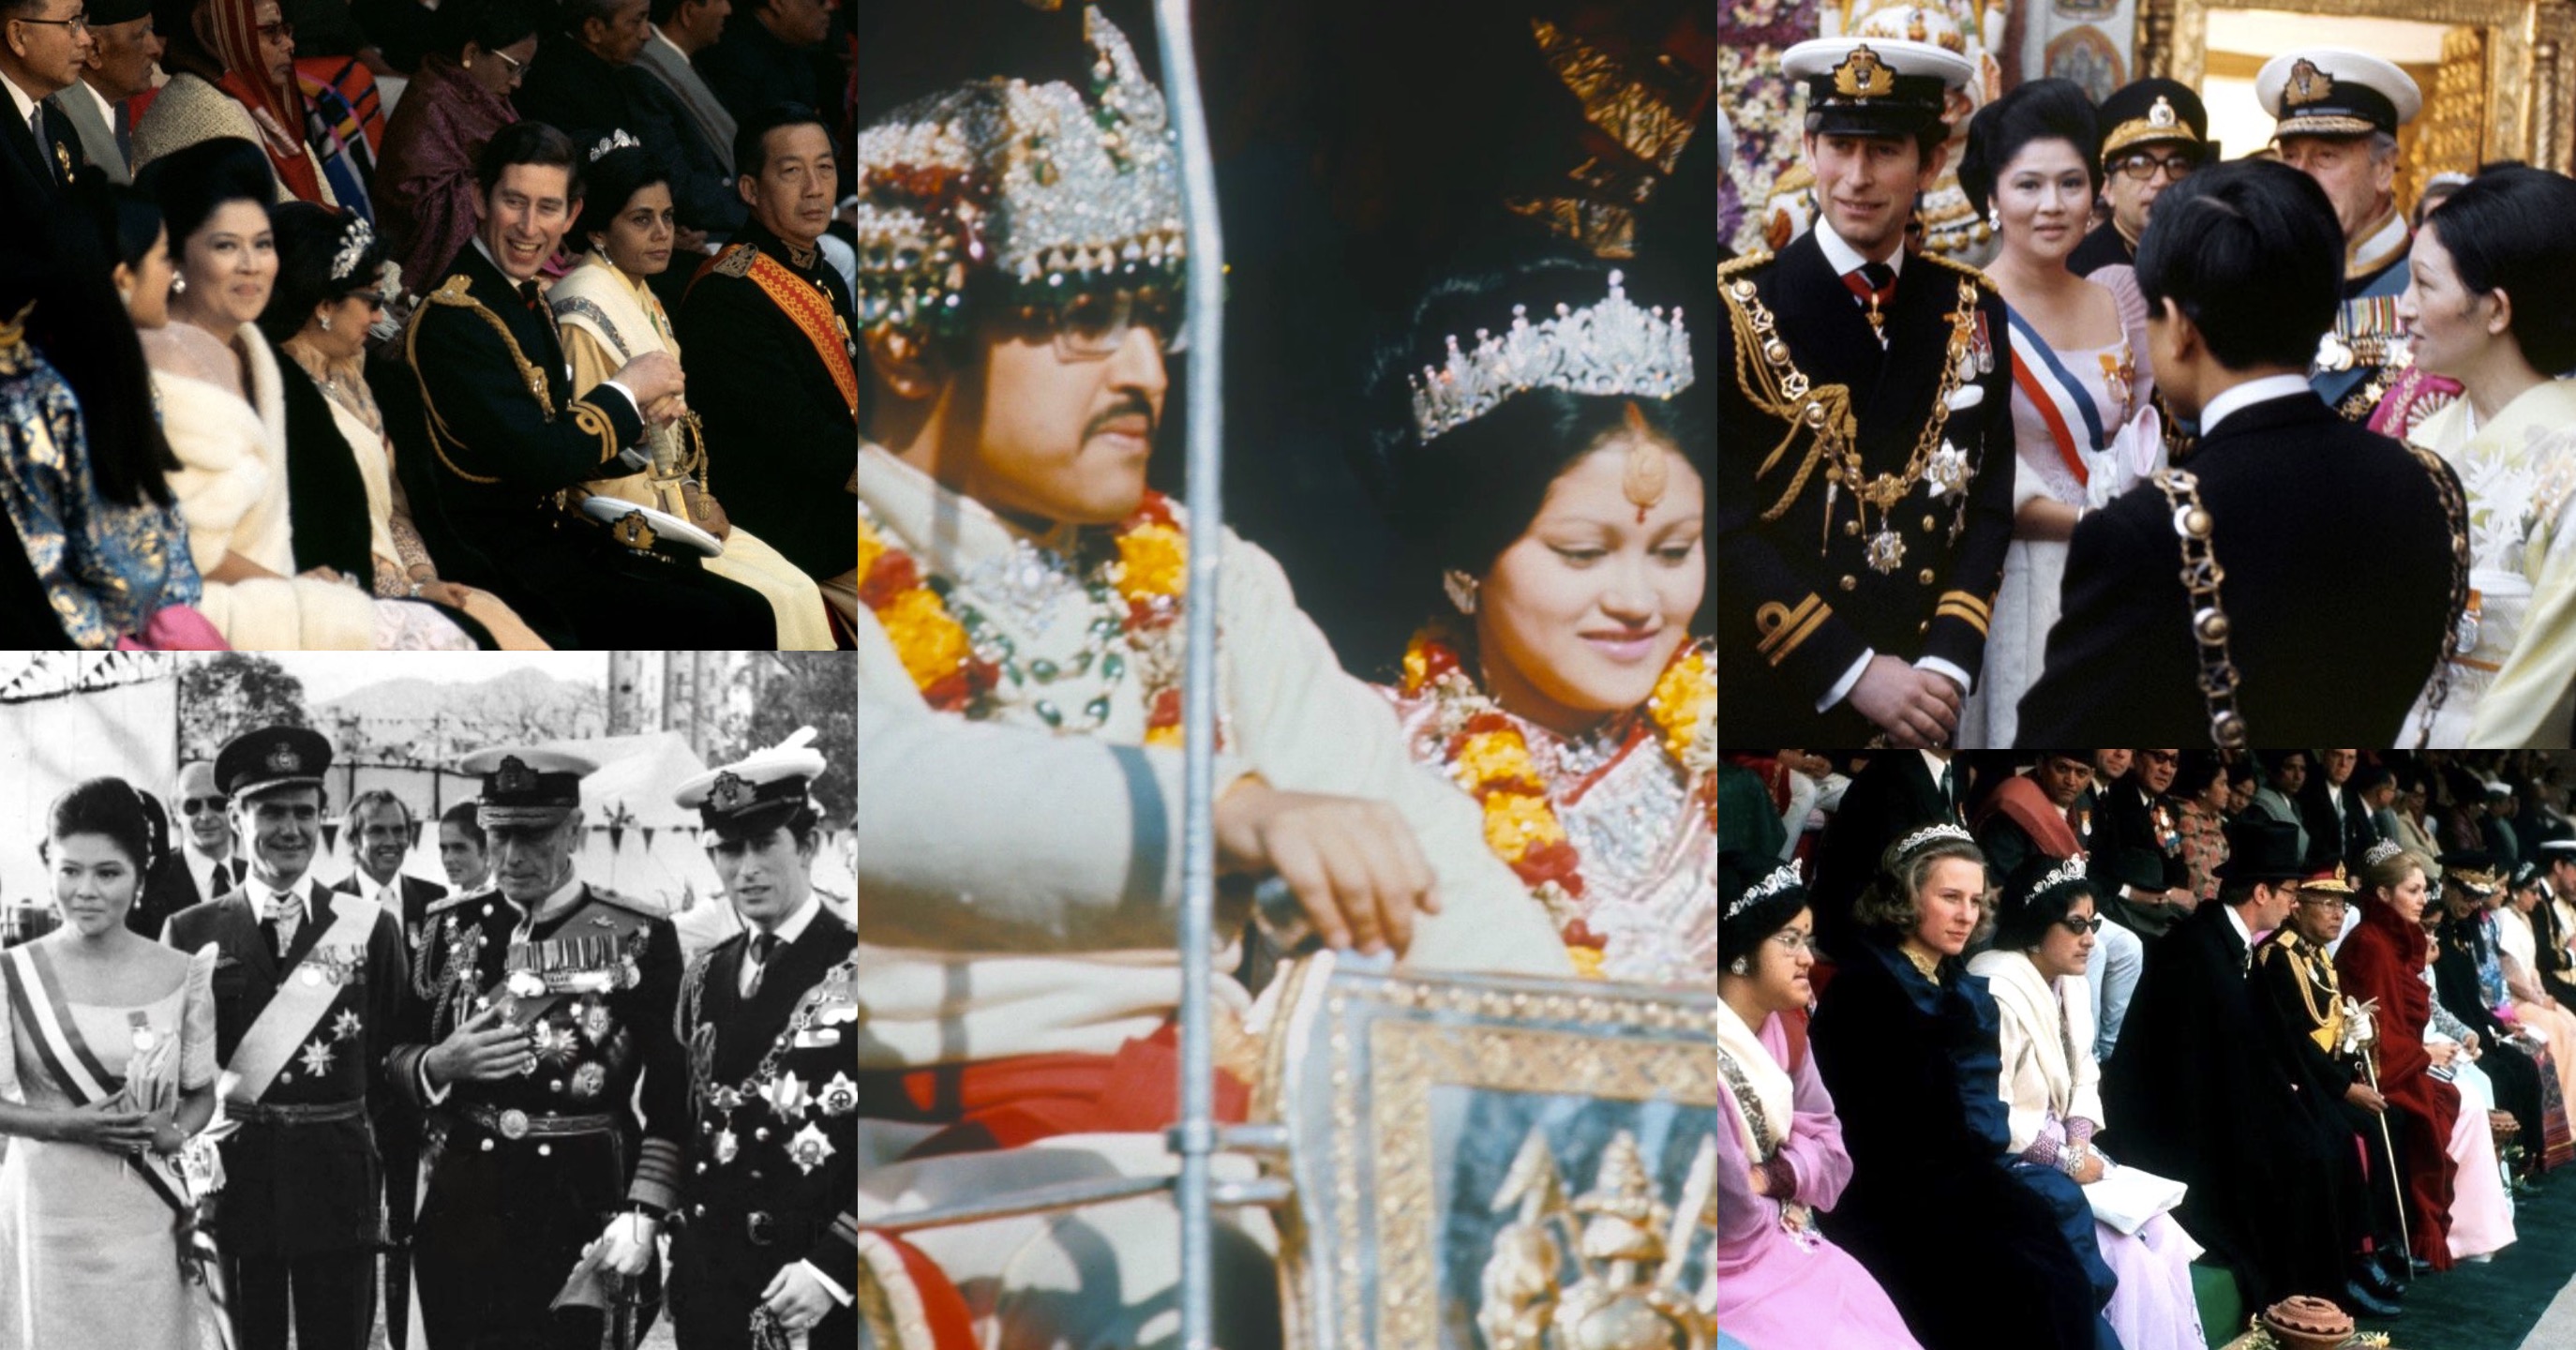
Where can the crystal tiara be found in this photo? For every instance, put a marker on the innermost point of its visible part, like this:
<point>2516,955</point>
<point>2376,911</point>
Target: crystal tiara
<point>619,139</point>
<point>1609,348</point>
<point>1784,878</point>
<point>1930,834</point>
<point>2380,852</point>
<point>355,239</point>
<point>2066,873</point>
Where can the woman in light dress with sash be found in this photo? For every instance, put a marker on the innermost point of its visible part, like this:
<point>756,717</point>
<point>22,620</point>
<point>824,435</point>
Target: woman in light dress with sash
<point>608,316</point>
<point>2082,431</point>
<point>2492,304</point>
<point>110,1069</point>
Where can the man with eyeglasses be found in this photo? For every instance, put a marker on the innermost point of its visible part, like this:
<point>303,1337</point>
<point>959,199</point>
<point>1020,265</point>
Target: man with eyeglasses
<point>125,55</point>
<point>2300,998</point>
<point>768,326</point>
<point>2154,133</point>
<point>203,866</point>
<point>2338,113</point>
<point>43,45</point>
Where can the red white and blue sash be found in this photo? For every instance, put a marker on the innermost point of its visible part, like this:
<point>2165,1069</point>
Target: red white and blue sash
<point>2074,422</point>
<point>36,1001</point>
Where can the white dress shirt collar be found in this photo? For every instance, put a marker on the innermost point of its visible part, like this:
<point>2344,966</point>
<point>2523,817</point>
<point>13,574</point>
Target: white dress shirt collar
<point>20,100</point>
<point>2236,920</point>
<point>2246,395</point>
<point>796,923</point>
<point>1845,259</point>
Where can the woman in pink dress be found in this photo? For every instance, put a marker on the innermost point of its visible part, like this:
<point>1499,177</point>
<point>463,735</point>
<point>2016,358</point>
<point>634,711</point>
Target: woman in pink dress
<point>1780,1150</point>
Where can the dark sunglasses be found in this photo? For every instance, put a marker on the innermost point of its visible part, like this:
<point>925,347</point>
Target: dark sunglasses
<point>190,806</point>
<point>2079,927</point>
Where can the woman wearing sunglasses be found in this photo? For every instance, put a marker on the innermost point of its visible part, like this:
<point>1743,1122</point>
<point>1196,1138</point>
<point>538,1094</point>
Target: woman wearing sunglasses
<point>2051,1086</point>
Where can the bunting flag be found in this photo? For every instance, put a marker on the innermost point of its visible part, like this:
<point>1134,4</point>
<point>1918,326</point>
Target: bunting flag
<point>648,838</point>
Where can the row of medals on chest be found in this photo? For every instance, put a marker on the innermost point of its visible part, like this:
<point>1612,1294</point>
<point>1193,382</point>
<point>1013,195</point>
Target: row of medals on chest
<point>1936,462</point>
<point>795,1107</point>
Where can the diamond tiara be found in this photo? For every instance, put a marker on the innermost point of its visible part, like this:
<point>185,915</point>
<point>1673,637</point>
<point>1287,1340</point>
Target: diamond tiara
<point>355,239</point>
<point>1782,879</point>
<point>2380,852</point>
<point>2066,873</point>
<point>1610,348</point>
<point>616,140</point>
<point>1930,834</point>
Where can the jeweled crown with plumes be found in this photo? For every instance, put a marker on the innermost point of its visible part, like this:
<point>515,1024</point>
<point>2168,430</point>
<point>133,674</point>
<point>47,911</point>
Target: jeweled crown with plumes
<point>1610,348</point>
<point>1053,193</point>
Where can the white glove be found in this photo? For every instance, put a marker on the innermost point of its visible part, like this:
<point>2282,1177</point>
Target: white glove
<point>630,1243</point>
<point>2136,451</point>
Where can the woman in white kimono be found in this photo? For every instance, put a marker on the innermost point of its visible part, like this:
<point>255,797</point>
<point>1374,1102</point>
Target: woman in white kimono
<point>1563,690</point>
<point>2035,970</point>
<point>2493,306</point>
<point>222,409</point>
<point>2082,431</point>
<point>608,316</point>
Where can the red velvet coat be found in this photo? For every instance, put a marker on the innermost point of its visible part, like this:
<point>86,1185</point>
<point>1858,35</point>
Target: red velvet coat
<point>2383,959</point>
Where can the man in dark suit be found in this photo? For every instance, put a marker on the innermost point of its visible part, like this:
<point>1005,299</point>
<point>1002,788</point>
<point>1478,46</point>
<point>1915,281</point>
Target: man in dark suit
<point>381,834</point>
<point>2240,279</point>
<point>1862,523</point>
<point>2337,823</point>
<point>2196,1095</point>
<point>204,866</point>
<point>1897,793</point>
<point>2137,848</point>
<point>767,324</point>
<point>43,45</point>
<point>585,82</point>
<point>504,440</point>
<point>309,987</point>
<point>770,1221</point>
<point>773,51</point>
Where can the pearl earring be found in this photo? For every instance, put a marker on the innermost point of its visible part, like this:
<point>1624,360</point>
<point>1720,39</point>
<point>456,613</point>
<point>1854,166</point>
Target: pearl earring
<point>1461,588</point>
<point>178,283</point>
<point>1737,967</point>
<point>1994,220</point>
<point>325,321</point>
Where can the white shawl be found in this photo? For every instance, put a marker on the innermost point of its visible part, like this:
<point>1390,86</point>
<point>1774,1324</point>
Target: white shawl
<point>1772,1091</point>
<point>231,490</point>
<point>2047,1038</point>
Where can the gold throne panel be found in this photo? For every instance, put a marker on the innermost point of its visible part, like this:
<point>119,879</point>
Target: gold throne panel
<point>2528,48</point>
<point>1484,1163</point>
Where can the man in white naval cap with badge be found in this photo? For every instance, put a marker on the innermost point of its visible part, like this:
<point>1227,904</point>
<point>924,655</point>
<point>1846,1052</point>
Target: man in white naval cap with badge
<point>1863,516</point>
<point>2338,114</point>
<point>766,1234</point>
<point>540,1003</point>
<point>308,988</point>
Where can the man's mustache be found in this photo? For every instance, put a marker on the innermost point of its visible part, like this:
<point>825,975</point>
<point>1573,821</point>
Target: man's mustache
<point>1133,405</point>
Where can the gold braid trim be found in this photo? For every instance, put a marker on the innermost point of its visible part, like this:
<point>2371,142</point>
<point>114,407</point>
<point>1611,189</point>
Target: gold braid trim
<point>2455,514</point>
<point>451,294</point>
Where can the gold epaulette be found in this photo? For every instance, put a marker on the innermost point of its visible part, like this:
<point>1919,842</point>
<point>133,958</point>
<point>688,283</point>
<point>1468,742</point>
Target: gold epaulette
<point>1985,282</point>
<point>453,292</point>
<point>1739,266</point>
<point>736,262</point>
<point>446,903</point>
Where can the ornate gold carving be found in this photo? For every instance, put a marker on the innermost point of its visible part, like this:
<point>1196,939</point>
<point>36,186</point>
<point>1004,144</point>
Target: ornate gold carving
<point>1627,1244</point>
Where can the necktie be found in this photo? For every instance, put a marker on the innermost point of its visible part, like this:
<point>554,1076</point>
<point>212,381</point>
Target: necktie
<point>1873,285</point>
<point>283,913</point>
<point>535,298</point>
<point>124,134</point>
<point>1949,791</point>
<point>762,945</point>
<point>217,882</point>
<point>44,150</point>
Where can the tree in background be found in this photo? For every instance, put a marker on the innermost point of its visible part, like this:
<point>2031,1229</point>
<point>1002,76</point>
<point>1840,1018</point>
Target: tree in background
<point>810,689</point>
<point>229,693</point>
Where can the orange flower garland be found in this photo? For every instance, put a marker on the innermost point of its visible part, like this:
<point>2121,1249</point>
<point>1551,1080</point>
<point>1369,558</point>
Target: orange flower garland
<point>1149,572</point>
<point>1488,755</point>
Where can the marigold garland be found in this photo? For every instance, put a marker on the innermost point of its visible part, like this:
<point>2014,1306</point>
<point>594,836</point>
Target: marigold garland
<point>1150,571</point>
<point>1486,753</point>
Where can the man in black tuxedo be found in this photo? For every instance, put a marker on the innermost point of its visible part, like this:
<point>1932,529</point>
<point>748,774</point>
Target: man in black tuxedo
<point>381,834</point>
<point>586,82</point>
<point>2338,824</point>
<point>204,866</point>
<point>2240,272</point>
<point>505,441</point>
<point>1897,793</point>
<point>43,45</point>
<point>1863,514</point>
<point>2197,1095</point>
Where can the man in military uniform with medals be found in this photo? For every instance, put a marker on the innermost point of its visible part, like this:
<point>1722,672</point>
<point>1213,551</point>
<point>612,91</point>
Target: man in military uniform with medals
<point>767,1235</point>
<point>541,1000</point>
<point>2338,114</point>
<point>2302,997</point>
<point>2154,133</point>
<point>1865,500</point>
<point>308,987</point>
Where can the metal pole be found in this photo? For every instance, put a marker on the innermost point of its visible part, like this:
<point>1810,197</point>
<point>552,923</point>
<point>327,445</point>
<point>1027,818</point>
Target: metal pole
<point>1195,1136</point>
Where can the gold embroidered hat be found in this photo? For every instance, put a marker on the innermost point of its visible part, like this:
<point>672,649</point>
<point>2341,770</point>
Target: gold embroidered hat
<point>2333,91</point>
<point>269,758</point>
<point>2152,112</point>
<point>1038,195</point>
<point>758,792</point>
<point>1875,86</point>
<point>527,785</point>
